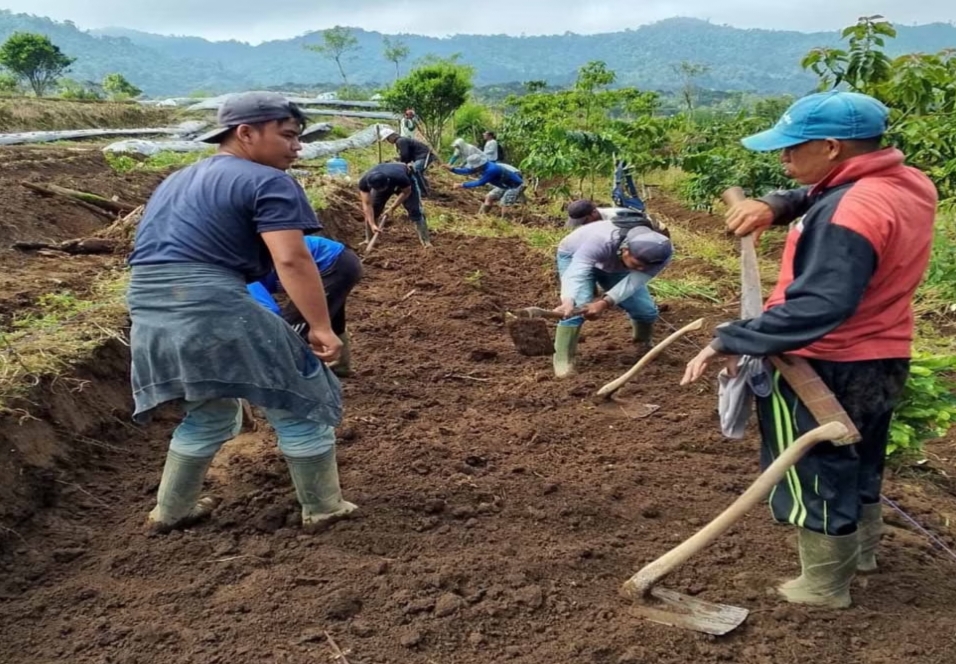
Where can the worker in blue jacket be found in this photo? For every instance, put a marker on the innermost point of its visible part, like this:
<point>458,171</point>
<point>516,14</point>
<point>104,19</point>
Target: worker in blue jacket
<point>340,269</point>
<point>506,181</point>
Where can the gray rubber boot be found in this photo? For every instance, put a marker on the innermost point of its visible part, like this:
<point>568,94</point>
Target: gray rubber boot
<point>178,504</point>
<point>870,531</point>
<point>316,481</point>
<point>423,234</point>
<point>342,367</point>
<point>565,350</point>
<point>829,564</point>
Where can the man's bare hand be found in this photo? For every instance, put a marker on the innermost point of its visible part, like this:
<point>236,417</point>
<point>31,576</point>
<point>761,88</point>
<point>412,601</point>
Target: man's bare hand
<point>566,308</point>
<point>698,366</point>
<point>325,344</point>
<point>749,216</point>
<point>596,309</point>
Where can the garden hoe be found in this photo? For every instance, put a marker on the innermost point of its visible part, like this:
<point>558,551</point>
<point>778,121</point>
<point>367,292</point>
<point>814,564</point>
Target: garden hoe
<point>529,331</point>
<point>669,607</point>
<point>798,373</point>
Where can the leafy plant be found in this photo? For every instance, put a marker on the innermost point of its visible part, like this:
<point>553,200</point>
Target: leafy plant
<point>118,87</point>
<point>928,407</point>
<point>395,51</point>
<point>336,44</point>
<point>436,91</point>
<point>35,58</point>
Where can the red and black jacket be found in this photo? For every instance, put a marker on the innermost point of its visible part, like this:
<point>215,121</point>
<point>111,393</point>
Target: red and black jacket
<point>850,267</point>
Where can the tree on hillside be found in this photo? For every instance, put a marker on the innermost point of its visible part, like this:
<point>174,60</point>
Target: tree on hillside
<point>396,51</point>
<point>118,87</point>
<point>336,44</point>
<point>689,72</point>
<point>35,58</point>
<point>435,91</point>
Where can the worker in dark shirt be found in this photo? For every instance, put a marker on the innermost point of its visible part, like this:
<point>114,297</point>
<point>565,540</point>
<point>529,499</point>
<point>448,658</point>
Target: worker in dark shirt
<point>415,153</point>
<point>859,242</point>
<point>198,338</point>
<point>379,184</point>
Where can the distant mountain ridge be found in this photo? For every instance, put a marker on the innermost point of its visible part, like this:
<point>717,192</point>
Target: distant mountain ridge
<point>761,61</point>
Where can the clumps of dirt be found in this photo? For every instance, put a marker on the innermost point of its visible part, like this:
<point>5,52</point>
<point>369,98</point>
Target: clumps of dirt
<point>531,336</point>
<point>49,219</point>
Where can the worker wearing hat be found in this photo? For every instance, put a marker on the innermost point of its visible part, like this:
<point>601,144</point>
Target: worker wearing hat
<point>199,339</point>
<point>858,245</point>
<point>619,260</point>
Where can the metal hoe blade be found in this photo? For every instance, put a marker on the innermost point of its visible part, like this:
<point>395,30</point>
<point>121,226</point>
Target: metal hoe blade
<point>679,610</point>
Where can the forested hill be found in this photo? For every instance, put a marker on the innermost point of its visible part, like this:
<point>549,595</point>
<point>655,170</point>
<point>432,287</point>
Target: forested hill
<point>763,61</point>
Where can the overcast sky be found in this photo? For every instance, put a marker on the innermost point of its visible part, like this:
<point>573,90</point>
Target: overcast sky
<point>255,21</point>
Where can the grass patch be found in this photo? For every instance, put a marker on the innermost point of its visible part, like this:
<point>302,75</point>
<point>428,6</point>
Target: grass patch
<point>162,161</point>
<point>61,331</point>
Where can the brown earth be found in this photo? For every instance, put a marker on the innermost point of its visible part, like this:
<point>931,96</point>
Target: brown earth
<point>28,216</point>
<point>500,510</point>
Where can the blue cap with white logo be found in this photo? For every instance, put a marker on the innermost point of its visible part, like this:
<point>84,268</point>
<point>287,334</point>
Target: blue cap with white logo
<point>841,116</point>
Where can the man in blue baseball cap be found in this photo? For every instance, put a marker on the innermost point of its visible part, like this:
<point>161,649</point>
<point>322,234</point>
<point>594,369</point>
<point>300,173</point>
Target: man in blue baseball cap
<point>861,230</point>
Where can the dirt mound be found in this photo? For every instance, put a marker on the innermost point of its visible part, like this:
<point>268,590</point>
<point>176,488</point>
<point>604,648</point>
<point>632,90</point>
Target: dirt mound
<point>28,216</point>
<point>500,512</point>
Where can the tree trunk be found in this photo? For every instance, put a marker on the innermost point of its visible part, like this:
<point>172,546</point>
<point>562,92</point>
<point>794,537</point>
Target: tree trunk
<point>398,73</point>
<point>345,80</point>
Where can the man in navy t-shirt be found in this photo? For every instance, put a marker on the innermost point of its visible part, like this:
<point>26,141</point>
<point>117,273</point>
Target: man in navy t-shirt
<point>198,338</point>
<point>379,184</point>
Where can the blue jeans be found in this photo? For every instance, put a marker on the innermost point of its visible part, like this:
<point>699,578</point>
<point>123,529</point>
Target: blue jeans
<point>209,424</point>
<point>640,307</point>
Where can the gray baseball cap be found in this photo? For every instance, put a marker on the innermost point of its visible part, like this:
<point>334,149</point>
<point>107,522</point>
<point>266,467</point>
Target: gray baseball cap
<point>251,108</point>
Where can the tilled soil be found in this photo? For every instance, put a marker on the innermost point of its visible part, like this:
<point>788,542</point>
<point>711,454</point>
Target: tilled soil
<point>28,216</point>
<point>501,510</point>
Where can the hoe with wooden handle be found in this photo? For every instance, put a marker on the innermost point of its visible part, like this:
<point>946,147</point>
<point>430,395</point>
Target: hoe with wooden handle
<point>669,607</point>
<point>798,373</point>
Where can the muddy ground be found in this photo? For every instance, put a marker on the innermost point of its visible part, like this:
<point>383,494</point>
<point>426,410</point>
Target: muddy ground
<point>500,509</point>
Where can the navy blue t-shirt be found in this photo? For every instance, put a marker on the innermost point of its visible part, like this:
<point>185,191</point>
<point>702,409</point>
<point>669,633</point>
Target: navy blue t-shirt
<point>215,210</point>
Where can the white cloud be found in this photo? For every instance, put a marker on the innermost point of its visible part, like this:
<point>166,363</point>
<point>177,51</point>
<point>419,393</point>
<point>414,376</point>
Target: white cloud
<point>255,21</point>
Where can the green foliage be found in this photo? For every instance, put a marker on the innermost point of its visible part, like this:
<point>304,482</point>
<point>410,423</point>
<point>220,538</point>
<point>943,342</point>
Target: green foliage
<point>436,91</point>
<point>35,58</point>
<point>336,44</point>
<point>572,136</point>
<point>118,87</point>
<point>395,51</point>
<point>8,84</point>
<point>160,162</point>
<point>471,121</point>
<point>76,91</point>
<point>919,89</point>
<point>928,407</point>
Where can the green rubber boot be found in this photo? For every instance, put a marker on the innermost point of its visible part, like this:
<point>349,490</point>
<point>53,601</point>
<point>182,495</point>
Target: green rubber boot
<point>178,504</point>
<point>316,481</point>
<point>342,367</point>
<point>565,350</point>
<point>870,531</point>
<point>829,564</point>
<point>643,334</point>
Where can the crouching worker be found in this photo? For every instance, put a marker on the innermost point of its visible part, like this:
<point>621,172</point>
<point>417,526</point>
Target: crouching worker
<point>619,260</point>
<point>507,185</point>
<point>340,269</point>
<point>382,182</point>
<point>199,338</point>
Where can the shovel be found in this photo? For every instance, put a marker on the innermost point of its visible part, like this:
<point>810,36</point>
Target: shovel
<point>669,607</point>
<point>528,329</point>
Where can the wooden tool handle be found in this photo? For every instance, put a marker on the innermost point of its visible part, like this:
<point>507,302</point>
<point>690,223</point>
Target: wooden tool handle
<point>815,395</point>
<point>639,585</point>
<point>615,385</point>
<point>751,299</point>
